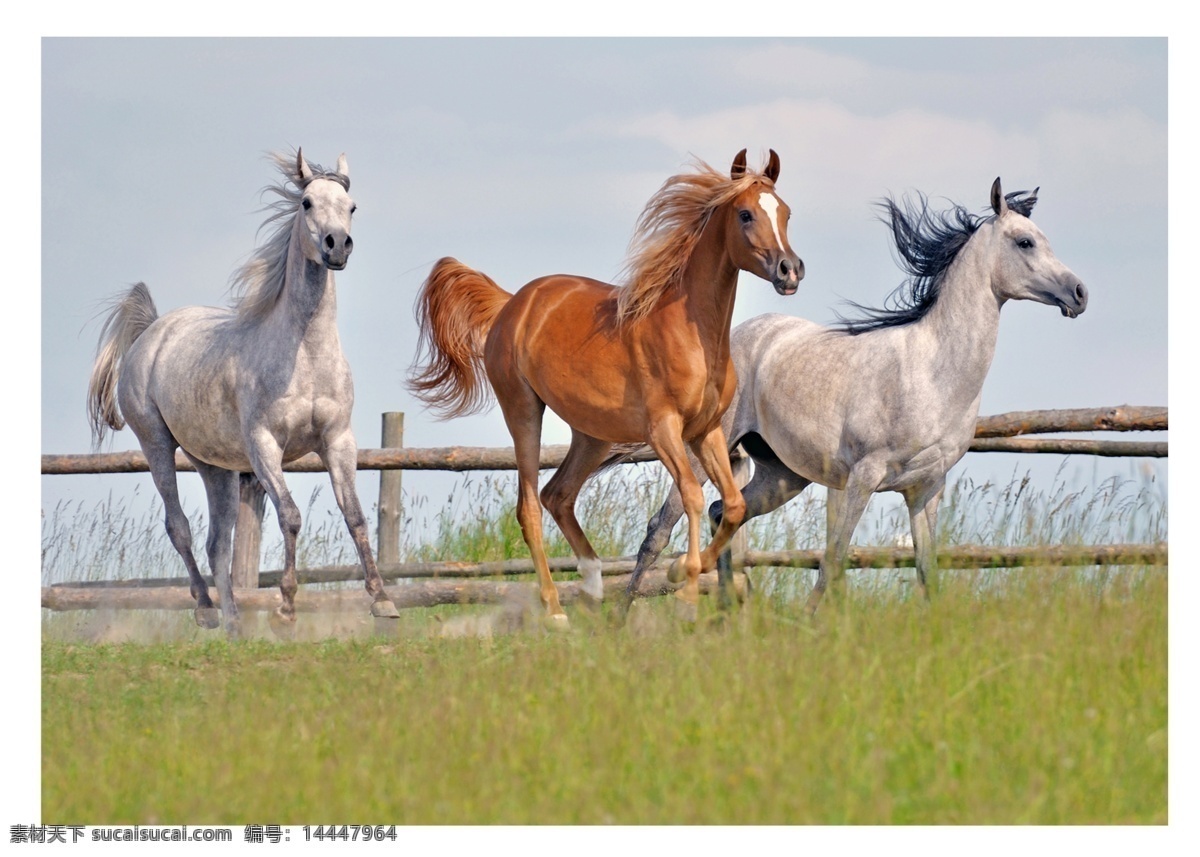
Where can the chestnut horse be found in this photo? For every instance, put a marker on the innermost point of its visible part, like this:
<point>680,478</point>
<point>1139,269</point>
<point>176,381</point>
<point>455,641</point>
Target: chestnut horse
<point>644,363</point>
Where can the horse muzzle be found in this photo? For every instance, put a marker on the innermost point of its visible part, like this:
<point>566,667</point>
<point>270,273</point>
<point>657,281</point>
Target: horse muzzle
<point>787,275</point>
<point>335,252</point>
<point>1074,302</point>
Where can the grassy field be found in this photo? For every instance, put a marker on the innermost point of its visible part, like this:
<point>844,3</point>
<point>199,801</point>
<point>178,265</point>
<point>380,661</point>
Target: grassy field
<point>1035,696</point>
<point>1038,700</point>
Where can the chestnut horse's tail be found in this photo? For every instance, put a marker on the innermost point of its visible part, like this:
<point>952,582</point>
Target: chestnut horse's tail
<point>455,310</point>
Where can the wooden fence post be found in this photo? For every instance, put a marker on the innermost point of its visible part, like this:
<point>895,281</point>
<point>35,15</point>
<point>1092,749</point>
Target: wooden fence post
<point>247,533</point>
<point>390,502</point>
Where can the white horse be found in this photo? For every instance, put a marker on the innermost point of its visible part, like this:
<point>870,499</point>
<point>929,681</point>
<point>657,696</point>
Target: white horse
<point>888,402</point>
<point>247,388</point>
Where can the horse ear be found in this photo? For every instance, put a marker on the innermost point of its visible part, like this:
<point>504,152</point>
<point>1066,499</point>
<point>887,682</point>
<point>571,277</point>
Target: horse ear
<point>999,204</point>
<point>342,168</point>
<point>302,169</point>
<point>1022,201</point>
<point>772,170</point>
<point>739,165</point>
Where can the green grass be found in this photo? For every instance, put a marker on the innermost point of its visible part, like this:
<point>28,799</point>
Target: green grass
<point>1034,696</point>
<point>1042,700</point>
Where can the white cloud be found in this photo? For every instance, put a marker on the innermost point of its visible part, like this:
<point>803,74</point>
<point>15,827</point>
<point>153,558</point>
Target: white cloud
<point>843,159</point>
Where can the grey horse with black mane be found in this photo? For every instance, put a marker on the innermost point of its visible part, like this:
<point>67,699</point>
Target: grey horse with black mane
<point>887,402</point>
<point>247,388</point>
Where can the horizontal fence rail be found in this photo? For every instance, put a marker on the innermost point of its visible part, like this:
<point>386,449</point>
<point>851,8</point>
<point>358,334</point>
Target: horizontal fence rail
<point>993,434</point>
<point>957,556</point>
<point>434,583</point>
<point>418,593</point>
<point>1119,418</point>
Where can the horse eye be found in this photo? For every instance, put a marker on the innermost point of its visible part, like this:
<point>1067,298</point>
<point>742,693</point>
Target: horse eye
<point>307,203</point>
<point>1025,243</point>
<point>354,208</point>
<point>746,216</point>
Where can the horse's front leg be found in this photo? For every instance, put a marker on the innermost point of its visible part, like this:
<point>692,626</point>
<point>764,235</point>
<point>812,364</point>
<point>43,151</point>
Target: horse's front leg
<point>266,457</point>
<point>341,460</point>
<point>713,454</point>
<point>666,437</point>
<point>922,516</point>
<point>844,509</point>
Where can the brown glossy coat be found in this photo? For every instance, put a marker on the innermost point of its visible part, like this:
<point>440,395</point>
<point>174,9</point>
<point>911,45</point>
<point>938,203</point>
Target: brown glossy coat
<point>644,363</point>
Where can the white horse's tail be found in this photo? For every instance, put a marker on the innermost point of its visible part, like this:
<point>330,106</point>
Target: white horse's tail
<point>130,314</point>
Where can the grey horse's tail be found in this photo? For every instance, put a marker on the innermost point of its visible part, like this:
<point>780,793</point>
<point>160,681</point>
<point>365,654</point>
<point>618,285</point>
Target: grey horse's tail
<point>128,316</point>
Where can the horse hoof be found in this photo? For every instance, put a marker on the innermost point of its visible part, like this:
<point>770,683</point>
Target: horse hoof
<point>208,617</point>
<point>282,626</point>
<point>233,629</point>
<point>384,610</point>
<point>686,611</point>
<point>619,613</point>
<point>589,602</point>
<point>558,622</point>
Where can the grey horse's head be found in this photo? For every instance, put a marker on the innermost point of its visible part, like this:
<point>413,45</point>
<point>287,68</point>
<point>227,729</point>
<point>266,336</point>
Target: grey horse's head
<point>1025,267</point>
<point>326,209</point>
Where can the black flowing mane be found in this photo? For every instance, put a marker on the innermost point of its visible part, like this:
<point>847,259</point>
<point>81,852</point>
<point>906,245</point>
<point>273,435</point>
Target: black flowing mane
<point>927,243</point>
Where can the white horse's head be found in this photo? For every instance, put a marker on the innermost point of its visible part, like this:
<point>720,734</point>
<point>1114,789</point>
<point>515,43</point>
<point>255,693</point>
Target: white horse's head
<point>1025,267</point>
<point>325,212</point>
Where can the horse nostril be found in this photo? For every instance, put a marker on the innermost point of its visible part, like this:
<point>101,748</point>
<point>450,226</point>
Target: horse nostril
<point>329,241</point>
<point>1080,293</point>
<point>349,243</point>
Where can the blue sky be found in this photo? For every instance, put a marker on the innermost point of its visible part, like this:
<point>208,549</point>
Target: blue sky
<point>524,157</point>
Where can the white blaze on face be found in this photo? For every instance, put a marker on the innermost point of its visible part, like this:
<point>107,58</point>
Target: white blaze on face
<point>770,204</point>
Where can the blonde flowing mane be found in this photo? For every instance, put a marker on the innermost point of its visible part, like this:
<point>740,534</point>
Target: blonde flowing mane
<point>667,232</point>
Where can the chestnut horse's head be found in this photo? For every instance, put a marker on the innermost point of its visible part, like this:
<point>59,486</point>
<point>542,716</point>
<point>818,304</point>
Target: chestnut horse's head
<point>756,230</point>
<point>738,215</point>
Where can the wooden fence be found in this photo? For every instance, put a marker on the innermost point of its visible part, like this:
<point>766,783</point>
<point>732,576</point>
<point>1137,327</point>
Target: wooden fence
<point>454,582</point>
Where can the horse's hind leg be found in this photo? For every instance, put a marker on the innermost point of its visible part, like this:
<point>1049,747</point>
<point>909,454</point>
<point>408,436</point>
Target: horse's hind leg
<point>523,412</point>
<point>584,456</point>
<point>772,485</point>
<point>726,589</point>
<point>160,455</point>
<point>341,460</point>
<point>658,533</point>
<point>222,488</point>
